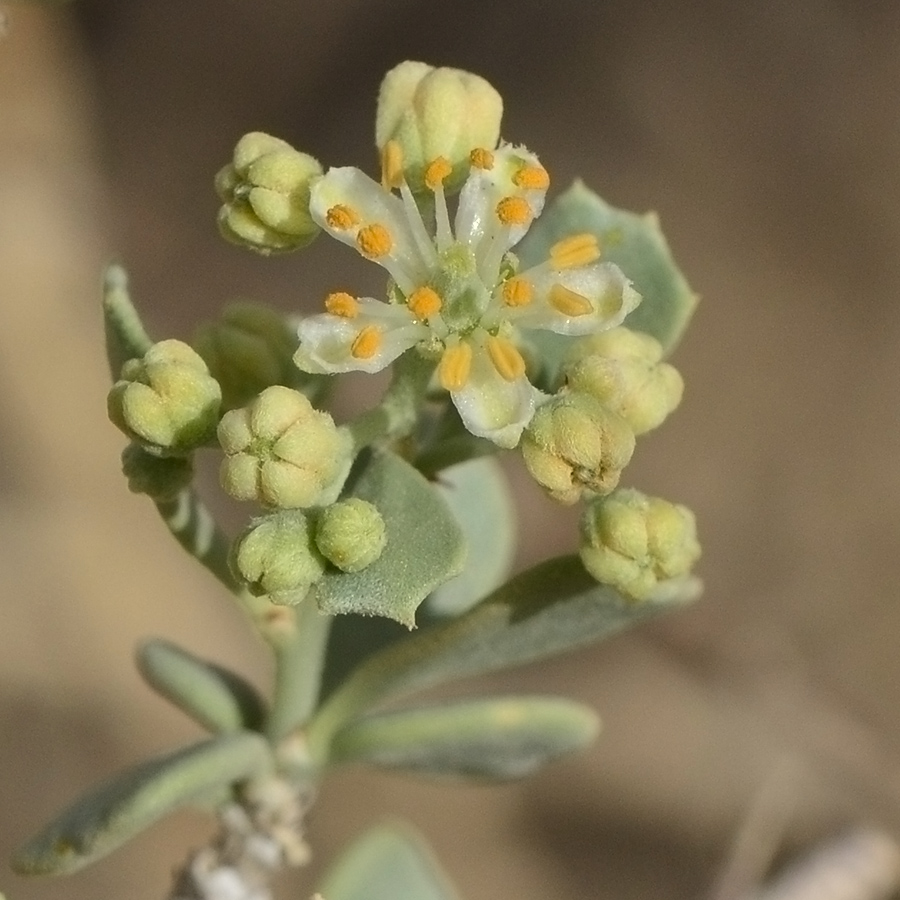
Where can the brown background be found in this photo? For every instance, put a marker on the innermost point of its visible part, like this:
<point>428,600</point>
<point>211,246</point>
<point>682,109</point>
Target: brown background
<point>766,135</point>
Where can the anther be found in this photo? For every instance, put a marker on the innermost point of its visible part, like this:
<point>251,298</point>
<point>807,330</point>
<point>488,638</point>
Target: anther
<point>481,159</point>
<point>532,178</point>
<point>517,292</point>
<point>577,250</point>
<point>424,302</point>
<point>435,173</point>
<point>342,304</point>
<point>391,166</point>
<point>455,367</point>
<point>506,358</point>
<point>342,218</point>
<point>367,343</point>
<point>569,303</point>
<point>513,211</point>
<point>374,241</point>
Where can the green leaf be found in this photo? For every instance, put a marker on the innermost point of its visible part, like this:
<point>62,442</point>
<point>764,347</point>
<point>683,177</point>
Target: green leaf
<point>389,862</point>
<point>635,243</point>
<point>125,335</point>
<point>555,606</point>
<point>425,545</point>
<point>497,738</point>
<point>220,700</point>
<point>124,806</point>
<point>478,494</point>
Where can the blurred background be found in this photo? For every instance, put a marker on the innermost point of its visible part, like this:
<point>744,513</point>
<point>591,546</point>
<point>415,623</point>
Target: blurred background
<point>766,136</point>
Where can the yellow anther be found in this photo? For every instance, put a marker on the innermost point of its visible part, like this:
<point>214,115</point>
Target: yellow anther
<point>569,303</point>
<point>435,173</point>
<point>517,292</point>
<point>374,241</point>
<point>367,343</point>
<point>481,158</point>
<point>513,211</point>
<point>342,217</point>
<point>532,178</point>
<point>455,367</point>
<point>506,358</point>
<point>343,305</point>
<point>577,250</point>
<point>424,302</point>
<point>391,165</point>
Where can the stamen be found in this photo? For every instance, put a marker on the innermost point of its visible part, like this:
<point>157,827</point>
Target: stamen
<point>513,211</point>
<point>391,166</point>
<point>435,173</point>
<point>532,178</point>
<point>517,292</point>
<point>341,304</point>
<point>424,302</point>
<point>374,241</point>
<point>576,250</point>
<point>481,159</point>
<point>568,302</point>
<point>342,218</point>
<point>611,302</point>
<point>455,367</point>
<point>506,358</point>
<point>367,343</point>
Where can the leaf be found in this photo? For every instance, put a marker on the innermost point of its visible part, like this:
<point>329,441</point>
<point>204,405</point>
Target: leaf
<point>635,243</point>
<point>389,862</point>
<point>425,545</point>
<point>125,335</point>
<point>219,700</point>
<point>497,738</point>
<point>479,497</point>
<point>553,607</point>
<point>125,805</point>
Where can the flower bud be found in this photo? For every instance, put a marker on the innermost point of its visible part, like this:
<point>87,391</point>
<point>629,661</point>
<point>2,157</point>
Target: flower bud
<point>160,477</point>
<point>624,370</point>
<point>166,401</point>
<point>573,444</point>
<point>265,191</point>
<point>351,534</point>
<point>276,557</point>
<point>634,542</point>
<point>248,350</point>
<point>434,113</point>
<point>283,453</point>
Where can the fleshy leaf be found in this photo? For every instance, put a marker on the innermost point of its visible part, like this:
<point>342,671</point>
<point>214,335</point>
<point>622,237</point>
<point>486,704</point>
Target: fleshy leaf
<point>389,862</point>
<point>219,700</point>
<point>477,493</point>
<point>498,738</point>
<point>425,545</point>
<point>553,607</point>
<point>125,805</point>
<point>635,243</point>
<point>125,335</point>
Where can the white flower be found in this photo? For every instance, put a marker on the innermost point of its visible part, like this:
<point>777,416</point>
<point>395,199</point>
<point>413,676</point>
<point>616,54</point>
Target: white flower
<point>458,294</point>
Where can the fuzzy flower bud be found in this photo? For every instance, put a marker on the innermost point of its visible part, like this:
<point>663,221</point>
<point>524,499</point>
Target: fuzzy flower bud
<point>436,114</point>
<point>265,192</point>
<point>166,401</point>
<point>624,370</point>
<point>277,557</point>
<point>574,444</point>
<point>282,453</point>
<point>160,477</point>
<point>351,534</point>
<point>249,349</point>
<point>634,542</point>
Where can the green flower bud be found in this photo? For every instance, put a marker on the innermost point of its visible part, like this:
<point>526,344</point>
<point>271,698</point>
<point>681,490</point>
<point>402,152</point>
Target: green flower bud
<point>166,401</point>
<point>573,444</point>
<point>634,542</point>
<point>432,113</point>
<point>624,370</point>
<point>248,350</point>
<point>283,453</point>
<point>265,191</point>
<point>276,557</point>
<point>160,477</point>
<point>351,534</point>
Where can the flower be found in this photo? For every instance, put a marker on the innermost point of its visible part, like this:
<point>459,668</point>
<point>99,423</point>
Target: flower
<point>456,291</point>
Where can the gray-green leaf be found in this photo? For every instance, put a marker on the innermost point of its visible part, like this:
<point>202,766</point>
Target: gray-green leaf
<point>425,545</point>
<point>389,862</point>
<point>124,806</point>
<point>125,335</point>
<point>220,700</point>
<point>497,738</point>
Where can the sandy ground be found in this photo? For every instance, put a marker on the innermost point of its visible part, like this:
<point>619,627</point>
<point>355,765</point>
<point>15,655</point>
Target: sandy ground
<point>766,136</point>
